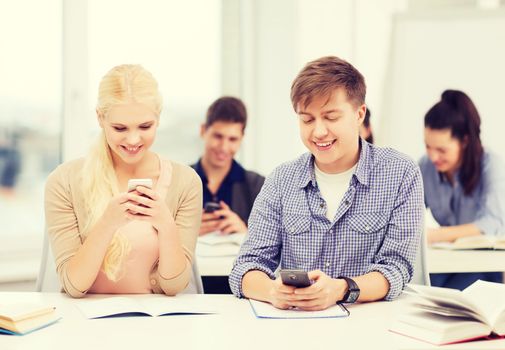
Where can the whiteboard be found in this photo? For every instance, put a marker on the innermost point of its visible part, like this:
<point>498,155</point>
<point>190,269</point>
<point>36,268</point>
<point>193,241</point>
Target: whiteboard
<point>431,52</point>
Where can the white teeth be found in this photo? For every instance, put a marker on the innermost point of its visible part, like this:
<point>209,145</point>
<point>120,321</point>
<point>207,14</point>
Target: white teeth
<point>132,149</point>
<point>325,144</point>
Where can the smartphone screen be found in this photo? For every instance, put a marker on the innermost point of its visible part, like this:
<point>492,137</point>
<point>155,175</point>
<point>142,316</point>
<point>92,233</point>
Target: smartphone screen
<point>211,207</point>
<point>295,278</point>
<point>133,183</point>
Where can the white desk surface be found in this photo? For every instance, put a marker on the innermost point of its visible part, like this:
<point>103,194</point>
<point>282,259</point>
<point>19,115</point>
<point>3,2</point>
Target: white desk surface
<point>440,260</point>
<point>235,327</point>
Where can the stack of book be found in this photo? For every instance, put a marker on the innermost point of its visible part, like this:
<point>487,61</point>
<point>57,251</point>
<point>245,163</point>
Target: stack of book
<point>445,316</point>
<point>19,319</point>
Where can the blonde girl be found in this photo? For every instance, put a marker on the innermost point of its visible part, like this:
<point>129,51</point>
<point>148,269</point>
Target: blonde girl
<point>105,239</point>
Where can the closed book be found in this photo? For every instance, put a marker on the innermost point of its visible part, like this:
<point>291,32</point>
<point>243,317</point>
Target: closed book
<point>19,319</point>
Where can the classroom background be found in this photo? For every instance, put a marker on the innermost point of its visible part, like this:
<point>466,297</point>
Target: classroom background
<point>54,53</point>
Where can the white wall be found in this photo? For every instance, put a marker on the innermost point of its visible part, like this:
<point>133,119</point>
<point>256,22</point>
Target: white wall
<point>282,36</point>
<point>435,51</point>
<point>264,45</point>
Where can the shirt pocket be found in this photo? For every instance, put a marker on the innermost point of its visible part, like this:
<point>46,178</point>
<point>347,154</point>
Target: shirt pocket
<point>364,234</point>
<point>368,223</point>
<point>300,246</point>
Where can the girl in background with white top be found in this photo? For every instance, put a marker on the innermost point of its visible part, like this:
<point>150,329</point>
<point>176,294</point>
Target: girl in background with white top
<point>104,239</point>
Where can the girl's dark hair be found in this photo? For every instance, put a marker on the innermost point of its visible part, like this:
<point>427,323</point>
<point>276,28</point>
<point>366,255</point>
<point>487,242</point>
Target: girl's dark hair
<point>456,111</point>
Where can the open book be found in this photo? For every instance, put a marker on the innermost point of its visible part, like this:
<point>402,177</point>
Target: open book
<point>151,305</point>
<point>444,316</point>
<point>473,242</point>
<point>266,310</point>
<point>19,319</point>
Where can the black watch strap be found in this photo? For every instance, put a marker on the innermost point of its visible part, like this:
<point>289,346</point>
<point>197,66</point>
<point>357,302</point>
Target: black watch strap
<point>353,290</point>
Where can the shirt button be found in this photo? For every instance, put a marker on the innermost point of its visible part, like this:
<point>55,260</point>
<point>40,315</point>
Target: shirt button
<point>367,228</point>
<point>153,282</point>
<point>347,202</point>
<point>321,205</point>
<point>327,264</point>
<point>292,230</point>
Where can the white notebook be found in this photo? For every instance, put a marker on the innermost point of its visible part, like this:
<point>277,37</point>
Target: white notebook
<point>266,310</point>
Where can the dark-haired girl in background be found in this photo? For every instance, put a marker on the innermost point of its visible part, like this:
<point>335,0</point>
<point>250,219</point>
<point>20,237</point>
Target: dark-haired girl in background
<point>464,185</point>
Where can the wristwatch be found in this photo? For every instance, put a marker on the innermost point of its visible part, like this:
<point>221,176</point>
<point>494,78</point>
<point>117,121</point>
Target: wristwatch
<point>352,293</point>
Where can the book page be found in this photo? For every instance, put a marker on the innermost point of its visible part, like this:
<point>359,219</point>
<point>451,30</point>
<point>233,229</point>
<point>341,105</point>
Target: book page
<point>446,297</point>
<point>490,298</point>
<point>438,329</point>
<point>499,243</point>
<point>266,310</point>
<point>96,308</point>
<point>472,242</point>
<point>158,305</point>
<point>20,311</point>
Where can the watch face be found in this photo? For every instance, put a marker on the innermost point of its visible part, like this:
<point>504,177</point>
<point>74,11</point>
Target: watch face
<point>353,296</point>
<point>353,291</point>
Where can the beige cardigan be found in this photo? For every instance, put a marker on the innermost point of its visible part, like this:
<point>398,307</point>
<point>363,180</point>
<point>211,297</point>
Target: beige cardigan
<point>66,218</point>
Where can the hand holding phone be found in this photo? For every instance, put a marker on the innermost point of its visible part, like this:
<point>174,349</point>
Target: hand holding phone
<point>133,183</point>
<point>211,207</point>
<point>295,278</point>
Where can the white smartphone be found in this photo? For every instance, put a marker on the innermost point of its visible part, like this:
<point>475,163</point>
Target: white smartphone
<point>133,183</point>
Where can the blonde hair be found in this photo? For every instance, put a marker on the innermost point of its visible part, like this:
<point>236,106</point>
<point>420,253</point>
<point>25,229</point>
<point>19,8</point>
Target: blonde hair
<point>122,84</point>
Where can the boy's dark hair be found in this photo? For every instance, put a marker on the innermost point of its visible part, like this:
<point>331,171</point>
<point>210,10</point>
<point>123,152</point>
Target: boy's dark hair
<point>322,76</point>
<point>227,109</point>
<point>456,112</point>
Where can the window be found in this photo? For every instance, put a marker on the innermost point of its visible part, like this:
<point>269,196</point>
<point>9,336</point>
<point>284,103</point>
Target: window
<point>30,125</point>
<point>179,43</point>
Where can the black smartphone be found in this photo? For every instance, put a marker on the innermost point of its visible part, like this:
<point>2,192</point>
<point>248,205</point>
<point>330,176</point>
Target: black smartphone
<point>295,278</point>
<point>211,207</point>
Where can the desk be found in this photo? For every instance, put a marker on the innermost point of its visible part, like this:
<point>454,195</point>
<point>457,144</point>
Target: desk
<point>215,265</point>
<point>442,261</point>
<point>235,327</point>
<point>438,260</point>
<point>216,258</point>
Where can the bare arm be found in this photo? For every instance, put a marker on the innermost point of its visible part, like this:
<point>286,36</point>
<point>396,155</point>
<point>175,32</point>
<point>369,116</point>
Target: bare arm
<point>257,285</point>
<point>325,292</point>
<point>451,233</point>
<point>373,286</point>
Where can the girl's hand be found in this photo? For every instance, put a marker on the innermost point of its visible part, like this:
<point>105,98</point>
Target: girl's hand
<point>146,204</point>
<point>116,214</point>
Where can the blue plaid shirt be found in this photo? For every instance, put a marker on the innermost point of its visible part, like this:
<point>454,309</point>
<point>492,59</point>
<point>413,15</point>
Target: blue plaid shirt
<point>377,226</point>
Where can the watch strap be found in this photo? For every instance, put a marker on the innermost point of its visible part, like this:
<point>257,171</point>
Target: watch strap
<point>353,290</point>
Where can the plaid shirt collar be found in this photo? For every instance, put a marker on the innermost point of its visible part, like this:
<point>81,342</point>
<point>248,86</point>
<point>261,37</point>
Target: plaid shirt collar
<point>361,173</point>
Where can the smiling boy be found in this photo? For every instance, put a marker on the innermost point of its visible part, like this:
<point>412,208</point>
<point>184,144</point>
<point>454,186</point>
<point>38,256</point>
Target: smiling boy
<point>348,212</point>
